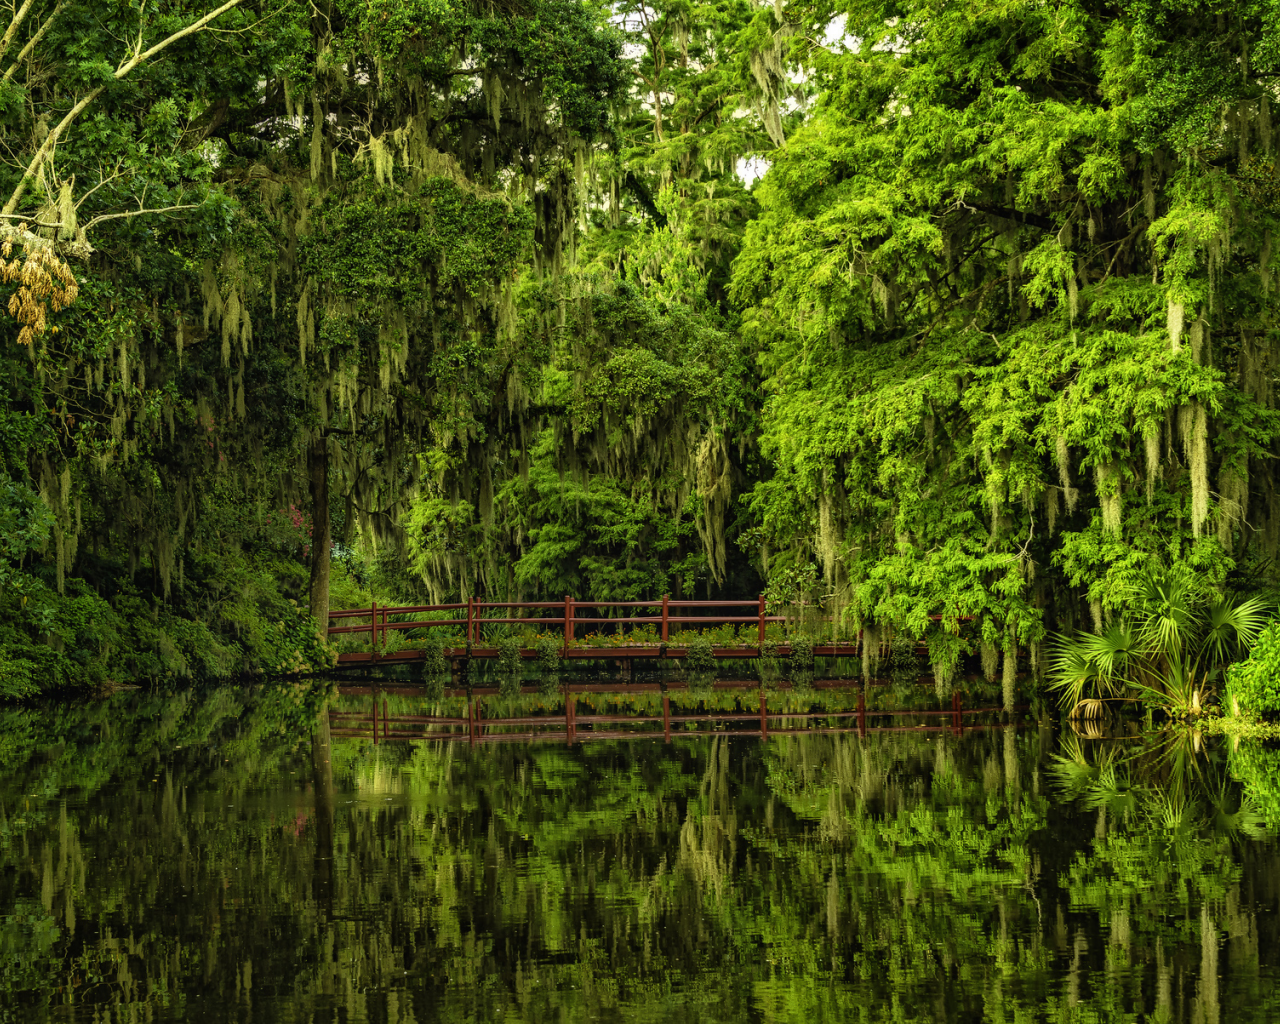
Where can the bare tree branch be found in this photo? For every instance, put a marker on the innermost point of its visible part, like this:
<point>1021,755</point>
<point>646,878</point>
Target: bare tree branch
<point>104,179</point>
<point>28,220</point>
<point>195,26</point>
<point>45,149</point>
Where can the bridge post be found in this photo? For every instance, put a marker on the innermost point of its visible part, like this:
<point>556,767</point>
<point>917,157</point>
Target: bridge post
<point>760,643</point>
<point>568,624</point>
<point>666,601</point>
<point>373,627</point>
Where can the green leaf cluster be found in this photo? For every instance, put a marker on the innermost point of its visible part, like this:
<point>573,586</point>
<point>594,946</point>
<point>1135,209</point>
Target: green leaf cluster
<point>1253,685</point>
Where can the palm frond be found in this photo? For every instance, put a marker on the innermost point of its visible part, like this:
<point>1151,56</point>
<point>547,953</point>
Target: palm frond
<point>1089,710</point>
<point>1070,669</point>
<point>1231,626</point>
<point>1167,615</point>
<point>1177,816</point>
<point>1111,652</point>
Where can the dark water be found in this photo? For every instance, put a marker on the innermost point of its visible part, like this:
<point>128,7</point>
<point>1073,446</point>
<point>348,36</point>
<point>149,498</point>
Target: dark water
<point>199,859</point>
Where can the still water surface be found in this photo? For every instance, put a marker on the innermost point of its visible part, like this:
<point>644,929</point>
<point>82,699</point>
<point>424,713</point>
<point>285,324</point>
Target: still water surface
<point>186,858</point>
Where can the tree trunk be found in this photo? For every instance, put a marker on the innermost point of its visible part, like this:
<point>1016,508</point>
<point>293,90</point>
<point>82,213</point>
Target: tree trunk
<point>318,474</point>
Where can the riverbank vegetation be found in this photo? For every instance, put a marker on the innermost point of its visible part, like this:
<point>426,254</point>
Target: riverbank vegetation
<point>956,321</point>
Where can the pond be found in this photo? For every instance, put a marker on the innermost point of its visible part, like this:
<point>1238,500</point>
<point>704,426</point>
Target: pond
<point>202,857</point>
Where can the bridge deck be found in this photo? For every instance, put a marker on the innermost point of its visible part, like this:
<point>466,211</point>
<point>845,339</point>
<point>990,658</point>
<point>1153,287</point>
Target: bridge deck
<point>662,651</point>
<point>585,629</point>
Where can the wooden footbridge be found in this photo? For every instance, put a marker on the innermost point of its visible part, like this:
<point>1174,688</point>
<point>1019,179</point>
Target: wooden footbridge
<point>568,620</point>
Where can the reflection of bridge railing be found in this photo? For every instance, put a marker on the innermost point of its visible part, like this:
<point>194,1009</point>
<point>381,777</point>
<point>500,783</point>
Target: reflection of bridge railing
<point>569,726</point>
<point>563,615</point>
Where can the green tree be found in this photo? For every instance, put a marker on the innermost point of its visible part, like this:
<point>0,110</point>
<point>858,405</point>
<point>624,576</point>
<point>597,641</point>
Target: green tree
<point>110,413</point>
<point>338,194</point>
<point>1012,289</point>
<point>622,431</point>
<point>416,156</point>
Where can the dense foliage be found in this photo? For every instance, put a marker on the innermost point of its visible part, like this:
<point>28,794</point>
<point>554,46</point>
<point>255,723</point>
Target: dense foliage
<point>1169,646</point>
<point>1011,283</point>
<point>1253,685</point>
<point>957,318</point>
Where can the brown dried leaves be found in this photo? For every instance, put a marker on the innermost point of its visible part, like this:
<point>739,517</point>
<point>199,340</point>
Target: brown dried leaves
<point>45,282</point>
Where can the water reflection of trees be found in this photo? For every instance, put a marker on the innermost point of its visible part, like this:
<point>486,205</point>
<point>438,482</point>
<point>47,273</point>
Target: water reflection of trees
<point>1174,872</point>
<point>810,877</point>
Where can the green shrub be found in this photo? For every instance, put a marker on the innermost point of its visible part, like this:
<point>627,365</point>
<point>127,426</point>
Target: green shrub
<point>768,666</point>
<point>434,662</point>
<point>1257,766</point>
<point>701,656</point>
<point>802,684</point>
<point>237,614</point>
<point>509,686</point>
<point>345,591</point>
<point>509,655</point>
<point>1173,636</point>
<point>548,648</point>
<point>1253,685</point>
<point>433,685</point>
<point>17,678</point>
<point>802,652</point>
<point>393,641</point>
<point>293,645</point>
<point>549,683</point>
<point>701,683</point>
<point>288,706</point>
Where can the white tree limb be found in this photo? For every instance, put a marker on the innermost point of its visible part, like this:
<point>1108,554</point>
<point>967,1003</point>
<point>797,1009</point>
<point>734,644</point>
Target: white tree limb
<point>18,18</point>
<point>138,213</point>
<point>33,42</point>
<point>46,148</point>
<point>182,33</point>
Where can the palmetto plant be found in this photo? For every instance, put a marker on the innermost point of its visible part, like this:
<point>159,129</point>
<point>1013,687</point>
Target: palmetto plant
<point>1167,649</point>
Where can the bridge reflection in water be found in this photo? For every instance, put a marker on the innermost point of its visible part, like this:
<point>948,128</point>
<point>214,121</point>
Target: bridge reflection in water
<point>559,718</point>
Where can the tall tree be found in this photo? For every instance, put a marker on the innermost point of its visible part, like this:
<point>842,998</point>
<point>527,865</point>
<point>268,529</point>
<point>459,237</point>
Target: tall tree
<point>401,164</point>
<point>335,195</point>
<point>1012,285</point>
<point>619,440</point>
<point>103,151</point>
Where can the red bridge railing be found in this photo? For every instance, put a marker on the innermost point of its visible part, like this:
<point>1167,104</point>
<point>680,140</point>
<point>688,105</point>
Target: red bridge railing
<point>671,613</point>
